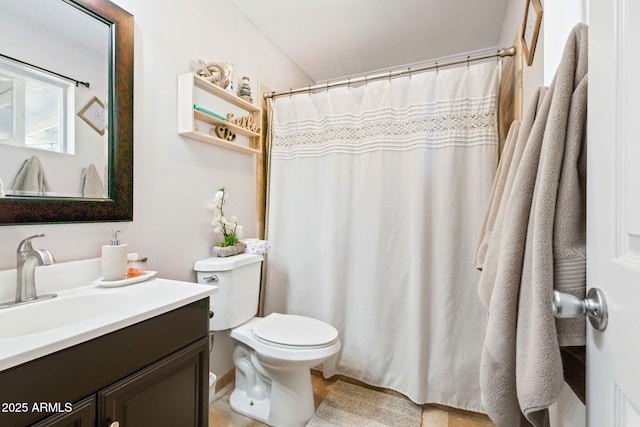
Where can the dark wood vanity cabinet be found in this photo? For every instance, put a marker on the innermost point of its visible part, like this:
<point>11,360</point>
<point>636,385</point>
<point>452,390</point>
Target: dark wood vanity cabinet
<point>153,373</point>
<point>83,414</point>
<point>168,393</point>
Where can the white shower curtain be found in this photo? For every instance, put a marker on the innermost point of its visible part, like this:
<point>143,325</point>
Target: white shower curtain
<point>376,196</point>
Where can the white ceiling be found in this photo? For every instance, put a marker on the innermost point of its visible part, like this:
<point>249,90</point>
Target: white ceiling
<point>329,39</point>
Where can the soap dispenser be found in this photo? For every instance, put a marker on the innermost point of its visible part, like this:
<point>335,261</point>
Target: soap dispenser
<point>114,259</point>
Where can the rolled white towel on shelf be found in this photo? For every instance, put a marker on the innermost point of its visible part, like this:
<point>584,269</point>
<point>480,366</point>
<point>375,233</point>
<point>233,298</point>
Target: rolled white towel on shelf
<point>256,246</point>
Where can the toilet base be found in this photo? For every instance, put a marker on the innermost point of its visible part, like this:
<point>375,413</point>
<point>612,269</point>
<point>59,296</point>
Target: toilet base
<point>244,405</point>
<point>274,395</point>
<point>289,405</point>
<point>273,383</point>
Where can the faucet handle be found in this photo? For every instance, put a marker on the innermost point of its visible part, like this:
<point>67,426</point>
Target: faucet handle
<point>25,245</point>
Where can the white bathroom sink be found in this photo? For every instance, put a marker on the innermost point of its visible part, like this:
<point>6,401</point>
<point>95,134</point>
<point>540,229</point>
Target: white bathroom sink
<point>83,312</point>
<point>64,310</point>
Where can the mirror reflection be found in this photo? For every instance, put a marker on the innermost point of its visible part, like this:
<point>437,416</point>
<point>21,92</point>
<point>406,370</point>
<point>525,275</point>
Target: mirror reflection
<point>54,96</point>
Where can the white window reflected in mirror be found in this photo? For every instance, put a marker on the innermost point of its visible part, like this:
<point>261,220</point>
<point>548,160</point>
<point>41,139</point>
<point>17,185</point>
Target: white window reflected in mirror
<point>36,109</point>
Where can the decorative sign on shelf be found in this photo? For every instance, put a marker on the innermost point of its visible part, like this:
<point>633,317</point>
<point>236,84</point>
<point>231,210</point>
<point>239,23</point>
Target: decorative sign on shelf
<point>223,132</point>
<point>245,122</point>
<point>93,114</point>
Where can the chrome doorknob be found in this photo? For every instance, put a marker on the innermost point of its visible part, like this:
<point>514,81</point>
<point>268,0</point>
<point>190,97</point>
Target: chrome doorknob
<point>594,306</point>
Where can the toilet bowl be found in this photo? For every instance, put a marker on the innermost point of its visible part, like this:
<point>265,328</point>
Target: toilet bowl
<point>273,358</point>
<point>283,340</point>
<point>272,355</point>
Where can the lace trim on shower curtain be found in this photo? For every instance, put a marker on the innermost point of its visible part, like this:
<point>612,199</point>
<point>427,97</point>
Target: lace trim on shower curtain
<point>463,122</point>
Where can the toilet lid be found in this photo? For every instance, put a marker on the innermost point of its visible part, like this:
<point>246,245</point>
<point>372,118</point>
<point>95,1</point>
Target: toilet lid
<point>292,330</point>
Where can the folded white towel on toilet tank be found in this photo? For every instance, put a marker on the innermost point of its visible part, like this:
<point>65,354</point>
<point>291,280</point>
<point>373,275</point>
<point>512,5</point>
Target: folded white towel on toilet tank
<point>256,246</point>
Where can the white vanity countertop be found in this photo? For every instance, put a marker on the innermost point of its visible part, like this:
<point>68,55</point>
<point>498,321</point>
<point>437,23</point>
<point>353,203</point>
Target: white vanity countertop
<point>85,312</point>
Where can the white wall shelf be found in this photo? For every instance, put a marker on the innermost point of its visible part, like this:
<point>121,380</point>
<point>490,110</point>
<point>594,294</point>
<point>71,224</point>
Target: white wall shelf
<point>199,125</point>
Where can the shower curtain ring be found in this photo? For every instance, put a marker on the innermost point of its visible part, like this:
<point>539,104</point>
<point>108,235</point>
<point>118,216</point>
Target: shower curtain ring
<point>437,70</point>
<point>410,74</point>
<point>468,59</point>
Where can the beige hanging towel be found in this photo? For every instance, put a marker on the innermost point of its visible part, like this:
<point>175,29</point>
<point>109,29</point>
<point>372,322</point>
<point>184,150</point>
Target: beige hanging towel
<point>492,250</point>
<point>497,192</point>
<point>540,247</point>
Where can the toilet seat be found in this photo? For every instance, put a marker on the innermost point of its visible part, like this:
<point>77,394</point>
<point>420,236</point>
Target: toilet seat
<point>288,330</point>
<point>269,350</point>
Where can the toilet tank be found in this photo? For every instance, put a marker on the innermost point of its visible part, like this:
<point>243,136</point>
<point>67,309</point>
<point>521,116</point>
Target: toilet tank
<point>238,281</point>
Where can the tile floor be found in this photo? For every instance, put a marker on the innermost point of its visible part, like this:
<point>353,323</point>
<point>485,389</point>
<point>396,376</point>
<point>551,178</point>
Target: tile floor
<point>220,415</point>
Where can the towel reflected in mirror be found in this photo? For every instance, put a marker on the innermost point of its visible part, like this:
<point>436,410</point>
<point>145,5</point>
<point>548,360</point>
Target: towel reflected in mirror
<point>30,177</point>
<point>90,183</point>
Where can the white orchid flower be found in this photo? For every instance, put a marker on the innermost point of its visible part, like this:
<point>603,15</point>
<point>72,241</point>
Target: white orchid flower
<point>229,228</point>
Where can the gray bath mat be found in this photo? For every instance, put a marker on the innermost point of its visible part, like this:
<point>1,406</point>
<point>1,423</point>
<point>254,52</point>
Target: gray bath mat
<point>355,406</point>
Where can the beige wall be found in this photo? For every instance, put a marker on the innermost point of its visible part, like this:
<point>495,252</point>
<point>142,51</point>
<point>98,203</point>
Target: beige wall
<point>558,20</point>
<point>175,177</point>
<point>533,75</point>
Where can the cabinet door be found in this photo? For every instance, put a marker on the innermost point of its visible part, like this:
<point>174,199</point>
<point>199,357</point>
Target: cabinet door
<point>171,392</point>
<point>83,414</point>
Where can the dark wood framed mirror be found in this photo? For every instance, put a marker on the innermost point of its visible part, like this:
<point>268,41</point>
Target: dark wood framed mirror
<point>118,203</point>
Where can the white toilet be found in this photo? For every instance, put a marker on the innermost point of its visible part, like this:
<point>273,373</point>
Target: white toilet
<point>272,355</point>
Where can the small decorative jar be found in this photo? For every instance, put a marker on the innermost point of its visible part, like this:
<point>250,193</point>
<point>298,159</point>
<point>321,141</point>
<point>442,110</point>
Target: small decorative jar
<point>245,90</point>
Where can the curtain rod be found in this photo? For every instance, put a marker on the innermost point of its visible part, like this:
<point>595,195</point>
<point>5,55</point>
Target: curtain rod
<point>509,51</point>
<point>77,82</point>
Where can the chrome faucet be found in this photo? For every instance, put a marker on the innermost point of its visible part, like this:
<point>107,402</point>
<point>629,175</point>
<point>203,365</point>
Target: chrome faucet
<point>28,259</point>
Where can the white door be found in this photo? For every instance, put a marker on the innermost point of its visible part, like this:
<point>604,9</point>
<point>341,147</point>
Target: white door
<point>613,211</point>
